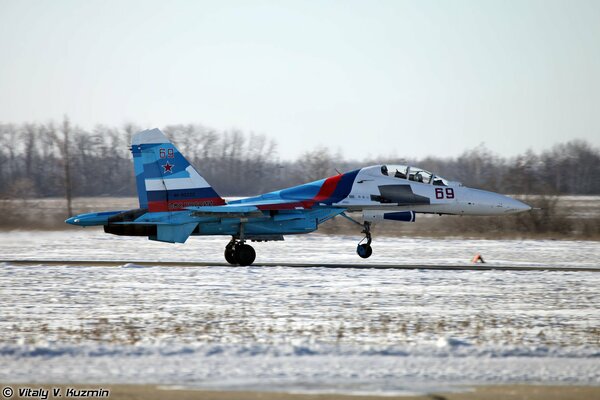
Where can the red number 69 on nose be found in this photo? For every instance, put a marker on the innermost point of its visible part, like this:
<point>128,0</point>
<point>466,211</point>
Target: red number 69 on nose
<point>440,193</point>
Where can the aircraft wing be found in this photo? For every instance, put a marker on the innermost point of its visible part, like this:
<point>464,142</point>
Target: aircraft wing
<point>245,209</point>
<point>225,211</point>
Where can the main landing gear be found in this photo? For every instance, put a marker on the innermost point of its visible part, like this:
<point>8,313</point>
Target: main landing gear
<point>237,252</point>
<point>364,250</point>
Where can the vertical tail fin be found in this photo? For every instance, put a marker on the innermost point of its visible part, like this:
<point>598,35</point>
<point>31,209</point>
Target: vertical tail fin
<point>165,180</point>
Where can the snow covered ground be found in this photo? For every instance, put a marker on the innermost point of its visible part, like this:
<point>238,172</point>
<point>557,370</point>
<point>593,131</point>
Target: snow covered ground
<point>94,244</point>
<point>298,329</point>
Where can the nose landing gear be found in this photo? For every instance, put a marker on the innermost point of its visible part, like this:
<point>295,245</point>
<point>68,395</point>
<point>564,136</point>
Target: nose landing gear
<point>237,252</point>
<point>364,250</point>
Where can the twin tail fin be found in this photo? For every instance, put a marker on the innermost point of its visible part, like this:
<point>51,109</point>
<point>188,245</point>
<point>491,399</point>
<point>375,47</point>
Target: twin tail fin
<point>165,180</point>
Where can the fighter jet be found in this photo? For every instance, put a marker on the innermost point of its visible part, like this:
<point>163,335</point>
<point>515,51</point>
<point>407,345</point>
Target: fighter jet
<point>176,202</point>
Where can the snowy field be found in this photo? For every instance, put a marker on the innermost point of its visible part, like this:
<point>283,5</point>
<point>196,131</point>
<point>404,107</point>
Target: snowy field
<point>94,244</point>
<point>298,329</point>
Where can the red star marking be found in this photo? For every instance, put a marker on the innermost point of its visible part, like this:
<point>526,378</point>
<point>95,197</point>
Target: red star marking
<point>168,167</point>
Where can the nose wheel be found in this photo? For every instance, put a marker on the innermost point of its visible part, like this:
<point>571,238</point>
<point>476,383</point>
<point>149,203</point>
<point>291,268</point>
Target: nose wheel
<point>364,250</point>
<point>239,253</point>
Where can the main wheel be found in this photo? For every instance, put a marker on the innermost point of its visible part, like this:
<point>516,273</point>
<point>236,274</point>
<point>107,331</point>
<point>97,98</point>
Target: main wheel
<point>245,254</point>
<point>230,255</point>
<point>364,250</point>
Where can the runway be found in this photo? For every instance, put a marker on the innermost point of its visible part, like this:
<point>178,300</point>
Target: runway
<point>147,313</point>
<point>120,263</point>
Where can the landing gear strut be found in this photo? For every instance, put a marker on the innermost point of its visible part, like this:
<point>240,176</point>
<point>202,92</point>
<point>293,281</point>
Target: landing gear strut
<point>364,250</point>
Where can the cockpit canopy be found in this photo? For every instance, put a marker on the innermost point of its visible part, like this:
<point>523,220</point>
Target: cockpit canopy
<point>413,174</point>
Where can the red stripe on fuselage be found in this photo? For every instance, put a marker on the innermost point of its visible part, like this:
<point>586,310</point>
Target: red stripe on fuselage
<point>179,205</point>
<point>328,188</point>
<point>325,192</point>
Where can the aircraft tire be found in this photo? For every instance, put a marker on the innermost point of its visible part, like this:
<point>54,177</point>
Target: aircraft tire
<point>230,255</point>
<point>245,254</point>
<point>364,250</point>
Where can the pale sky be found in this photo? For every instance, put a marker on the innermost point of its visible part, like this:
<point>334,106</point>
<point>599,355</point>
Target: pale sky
<point>410,78</point>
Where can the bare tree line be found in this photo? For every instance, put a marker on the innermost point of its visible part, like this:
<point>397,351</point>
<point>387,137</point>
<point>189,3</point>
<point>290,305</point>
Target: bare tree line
<point>51,160</point>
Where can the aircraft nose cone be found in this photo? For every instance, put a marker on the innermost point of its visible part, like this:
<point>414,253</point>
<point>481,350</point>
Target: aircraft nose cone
<point>515,206</point>
<point>524,207</point>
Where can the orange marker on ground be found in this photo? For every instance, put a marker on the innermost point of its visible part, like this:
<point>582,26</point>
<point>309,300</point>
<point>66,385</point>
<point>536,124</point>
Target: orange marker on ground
<point>477,258</point>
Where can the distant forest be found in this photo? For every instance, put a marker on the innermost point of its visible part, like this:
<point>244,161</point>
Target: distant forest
<point>33,163</point>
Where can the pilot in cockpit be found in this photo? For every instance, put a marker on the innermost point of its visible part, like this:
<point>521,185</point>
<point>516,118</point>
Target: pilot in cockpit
<point>412,174</point>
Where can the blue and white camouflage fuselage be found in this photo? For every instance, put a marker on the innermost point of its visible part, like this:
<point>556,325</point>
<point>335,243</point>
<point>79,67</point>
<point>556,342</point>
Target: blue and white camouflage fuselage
<point>175,201</point>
